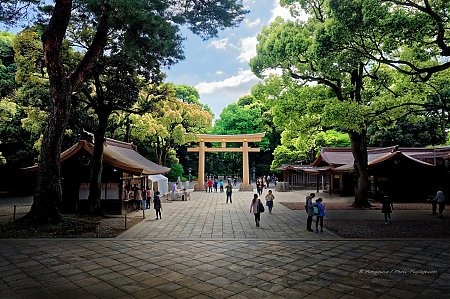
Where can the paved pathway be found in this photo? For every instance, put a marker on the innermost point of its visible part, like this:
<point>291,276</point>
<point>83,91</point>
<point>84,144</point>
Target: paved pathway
<point>207,215</point>
<point>206,249</point>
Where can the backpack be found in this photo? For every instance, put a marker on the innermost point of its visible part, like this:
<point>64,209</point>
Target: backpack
<point>316,210</point>
<point>260,208</point>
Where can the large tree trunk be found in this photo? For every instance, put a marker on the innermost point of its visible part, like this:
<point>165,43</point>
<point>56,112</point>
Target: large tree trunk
<point>48,195</point>
<point>97,165</point>
<point>359,150</point>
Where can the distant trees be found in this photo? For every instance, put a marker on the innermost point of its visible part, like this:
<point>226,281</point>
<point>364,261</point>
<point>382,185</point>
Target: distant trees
<point>123,20</point>
<point>351,63</point>
<point>170,123</point>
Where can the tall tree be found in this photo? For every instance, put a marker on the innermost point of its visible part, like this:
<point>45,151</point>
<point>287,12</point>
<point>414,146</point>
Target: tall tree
<point>114,82</point>
<point>171,124</point>
<point>358,88</point>
<point>111,18</point>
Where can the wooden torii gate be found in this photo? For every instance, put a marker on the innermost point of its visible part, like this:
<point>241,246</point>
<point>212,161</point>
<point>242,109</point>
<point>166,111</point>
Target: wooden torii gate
<point>223,139</point>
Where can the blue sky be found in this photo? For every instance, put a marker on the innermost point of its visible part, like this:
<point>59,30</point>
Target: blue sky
<point>218,67</point>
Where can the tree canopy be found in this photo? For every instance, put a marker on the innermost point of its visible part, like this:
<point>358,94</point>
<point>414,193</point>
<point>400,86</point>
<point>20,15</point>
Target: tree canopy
<point>131,23</point>
<point>348,66</point>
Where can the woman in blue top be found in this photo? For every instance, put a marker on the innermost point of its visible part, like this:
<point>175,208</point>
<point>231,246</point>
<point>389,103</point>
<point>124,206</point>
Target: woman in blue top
<point>221,186</point>
<point>319,217</point>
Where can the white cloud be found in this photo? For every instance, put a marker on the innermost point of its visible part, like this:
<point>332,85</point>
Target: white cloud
<point>243,76</point>
<point>220,94</point>
<point>219,73</point>
<point>247,48</point>
<point>219,44</point>
<point>278,11</point>
<point>251,24</point>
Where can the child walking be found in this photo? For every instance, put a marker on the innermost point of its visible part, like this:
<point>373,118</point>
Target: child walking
<point>269,201</point>
<point>387,209</point>
<point>321,214</point>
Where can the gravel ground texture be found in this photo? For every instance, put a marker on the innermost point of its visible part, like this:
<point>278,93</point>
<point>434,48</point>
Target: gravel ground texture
<point>74,226</point>
<point>431,227</point>
<point>346,206</point>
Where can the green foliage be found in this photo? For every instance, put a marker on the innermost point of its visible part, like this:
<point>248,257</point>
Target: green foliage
<point>189,94</point>
<point>236,119</point>
<point>176,171</point>
<point>408,133</point>
<point>29,57</point>
<point>169,124</point>
<point>285,155</point>
<point>7,67</point>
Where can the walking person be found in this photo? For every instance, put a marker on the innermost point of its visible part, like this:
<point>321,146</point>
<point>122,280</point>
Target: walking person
<point>210,184</point>
<point>257,186</point>
<point>149,195</point>
<point>215,184</point>
<point>254,207</point>
<point>387,209</point>
<point>320,215</point>
<point>432,199</point>
<point>309,210</point>
<point>229,191</point>
<point>269,201</point>
<point>221,186</point>
<point>157,205</point>
<point>440,200</point>
<point>138,197</point>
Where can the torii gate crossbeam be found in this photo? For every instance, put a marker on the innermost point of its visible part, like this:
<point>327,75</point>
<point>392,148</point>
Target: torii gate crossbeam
<point>223,139</point>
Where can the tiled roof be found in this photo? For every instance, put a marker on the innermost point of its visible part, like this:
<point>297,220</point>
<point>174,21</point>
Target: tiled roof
<point>118,154</point>
<point>341,159</point>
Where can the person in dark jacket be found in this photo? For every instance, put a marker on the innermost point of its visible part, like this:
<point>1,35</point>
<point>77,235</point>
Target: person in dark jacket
<point>309,210</point>
<point>157,205</point>
<point>387,209</point>
<point>440,200</point>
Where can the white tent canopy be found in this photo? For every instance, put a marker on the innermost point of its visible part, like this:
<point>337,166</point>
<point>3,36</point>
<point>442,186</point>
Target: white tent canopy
<point>161,181</point>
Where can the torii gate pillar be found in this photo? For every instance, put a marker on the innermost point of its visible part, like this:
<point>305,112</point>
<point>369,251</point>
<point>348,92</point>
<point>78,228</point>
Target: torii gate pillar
<point>223,139</point>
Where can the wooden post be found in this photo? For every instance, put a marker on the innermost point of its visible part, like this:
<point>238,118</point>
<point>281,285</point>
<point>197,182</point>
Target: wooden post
<point>330,183</point>
<point>201,166</point>
<point>317,182</point>
<point>245,168</point>
<point>223,139</point>
<point>125,221</point>
<point>14,214</point>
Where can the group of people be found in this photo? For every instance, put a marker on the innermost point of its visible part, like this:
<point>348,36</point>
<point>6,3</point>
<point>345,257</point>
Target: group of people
<point>317,209</point>
<point>437,201</point>
<point>263,182</point>
<point>184,193</point>
<point>211,185</point>
<point>256,207</point>
<point>143,199</point>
